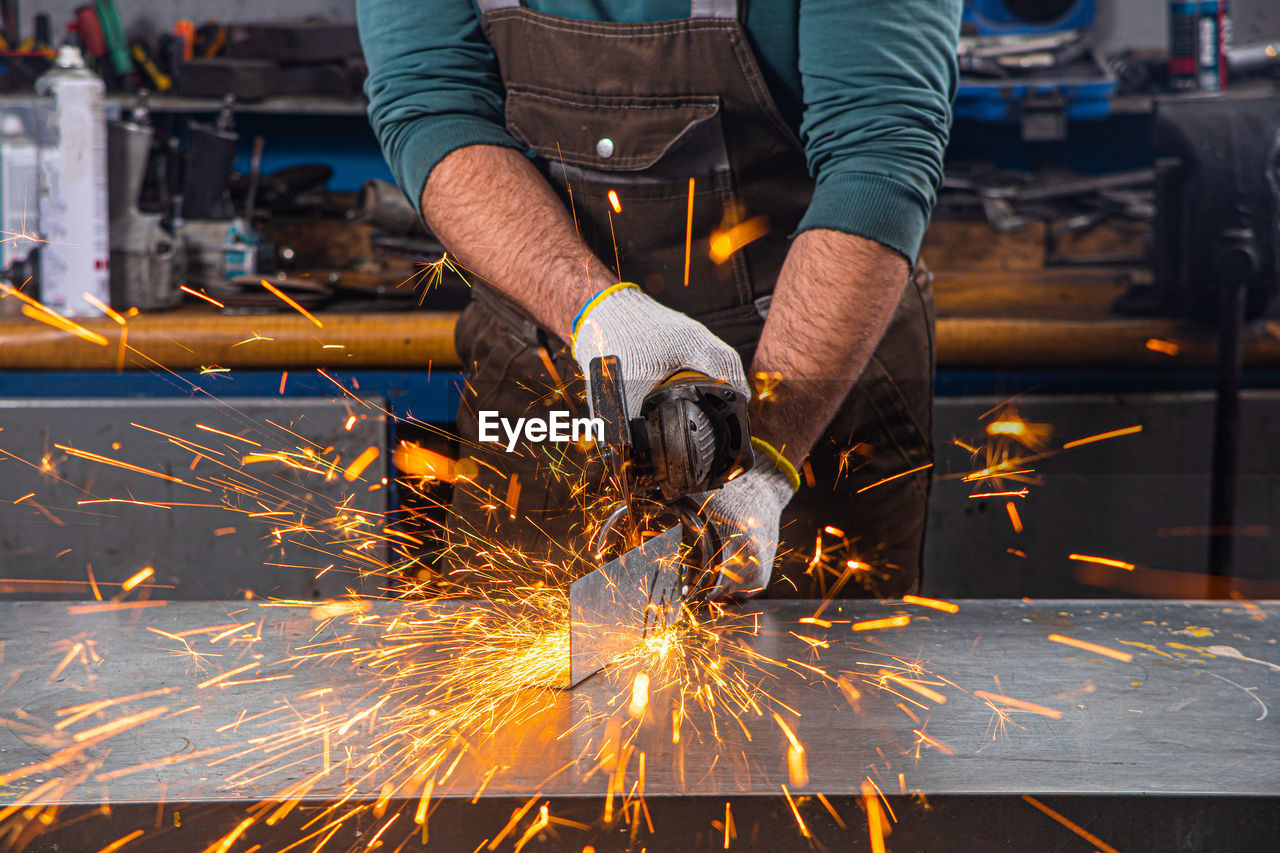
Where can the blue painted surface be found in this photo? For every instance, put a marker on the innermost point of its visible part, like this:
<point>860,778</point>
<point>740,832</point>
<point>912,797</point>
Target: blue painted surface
<point>962,383</point>
<point>434,398</point>
<point>431,398</point>
<point>344,143</point>
<point>993,17</point>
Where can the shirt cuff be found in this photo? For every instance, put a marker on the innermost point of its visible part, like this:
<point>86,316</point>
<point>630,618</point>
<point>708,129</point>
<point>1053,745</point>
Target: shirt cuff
<point>872,206</point>
<point>429,141</point>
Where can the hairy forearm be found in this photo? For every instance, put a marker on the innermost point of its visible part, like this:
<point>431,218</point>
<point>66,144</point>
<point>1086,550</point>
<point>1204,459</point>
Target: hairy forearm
<point>832,304</point>
<point>497,215</point>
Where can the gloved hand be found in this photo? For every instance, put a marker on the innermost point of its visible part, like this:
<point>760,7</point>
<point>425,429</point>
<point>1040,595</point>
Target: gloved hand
<point>652,341</point>
<point>746,514</point>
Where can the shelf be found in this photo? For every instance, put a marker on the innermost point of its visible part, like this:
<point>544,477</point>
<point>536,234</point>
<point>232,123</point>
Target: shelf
<point>323,105</point>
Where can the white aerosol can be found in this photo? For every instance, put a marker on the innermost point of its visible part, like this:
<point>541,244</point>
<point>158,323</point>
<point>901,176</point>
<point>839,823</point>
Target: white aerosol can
<point>73,187</point>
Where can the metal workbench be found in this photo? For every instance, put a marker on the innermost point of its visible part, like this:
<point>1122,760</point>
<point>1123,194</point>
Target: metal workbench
<point>1177,748</point>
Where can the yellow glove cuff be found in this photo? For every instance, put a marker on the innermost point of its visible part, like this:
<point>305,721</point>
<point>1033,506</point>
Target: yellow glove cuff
<point>780,461</point>
<point>592,303</point>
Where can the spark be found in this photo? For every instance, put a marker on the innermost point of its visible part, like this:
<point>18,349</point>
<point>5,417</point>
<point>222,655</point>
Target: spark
<point>932,695</point>
<point>614,202</point>
<point>688,233</point>
<point>766,381</point>
<point>877,826</point>
<point>120,842</point>
<point>639,695</point>
<point>1123,657</point>
<point>363,461</point>
<point>286,299</point>
<point>199,295</point>
<point>534,828</point>
<point>922,738</point>
<point>1020,704</point>
<point>875,624</point>
<point>936,604</point>
<point>116,463</point>
<point>137,578</point>
<point>1169,348</point>
<point>835,815</point>
<point>1254,610</point>
<point>108,606</point>
<point>44,314</point>
<point>1018,428</point>
<point>1014,518</point>
<point>1103,436</point>
<point>890,479</point>
<point>225,843</point>
<point>726,242</point>
<point>1079,830</point>
<point>804,830</point>
<point>1102,561</point>
<point>256,337</point>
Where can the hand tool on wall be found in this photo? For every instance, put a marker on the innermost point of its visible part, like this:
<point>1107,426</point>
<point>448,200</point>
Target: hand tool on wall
<point>146,259</point>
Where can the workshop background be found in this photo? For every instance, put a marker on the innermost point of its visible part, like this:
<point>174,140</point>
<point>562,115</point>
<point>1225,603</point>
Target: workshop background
<point>1050,216</point>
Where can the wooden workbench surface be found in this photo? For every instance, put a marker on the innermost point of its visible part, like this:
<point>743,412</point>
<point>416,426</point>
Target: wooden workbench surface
<point>997,309</point>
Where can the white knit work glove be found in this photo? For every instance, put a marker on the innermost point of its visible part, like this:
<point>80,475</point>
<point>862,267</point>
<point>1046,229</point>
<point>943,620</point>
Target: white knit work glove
<point>652,342</point>
<point>746,514</point>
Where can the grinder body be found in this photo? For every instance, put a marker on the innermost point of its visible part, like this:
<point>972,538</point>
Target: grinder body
<point>690,435</point>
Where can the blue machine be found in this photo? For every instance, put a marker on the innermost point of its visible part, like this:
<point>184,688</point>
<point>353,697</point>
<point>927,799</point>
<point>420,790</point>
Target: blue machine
<point>1025,61</point>
<point>1027,17</point>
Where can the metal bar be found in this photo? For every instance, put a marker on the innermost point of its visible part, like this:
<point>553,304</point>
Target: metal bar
<point>1226,430</point>
<point>1188,715</point>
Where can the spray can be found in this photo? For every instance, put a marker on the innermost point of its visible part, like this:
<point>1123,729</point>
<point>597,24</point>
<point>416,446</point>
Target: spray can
<point>1183,51</point>
<point>19,189</point>
<point>73,187</point>
<point>1210,65</point>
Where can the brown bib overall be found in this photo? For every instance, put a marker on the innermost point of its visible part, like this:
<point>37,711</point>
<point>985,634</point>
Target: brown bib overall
<point>639,109</point>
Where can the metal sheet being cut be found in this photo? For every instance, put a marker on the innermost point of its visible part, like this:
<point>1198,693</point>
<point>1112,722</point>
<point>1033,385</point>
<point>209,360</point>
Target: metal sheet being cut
<point>1153,725</point>
<point>611,609</point>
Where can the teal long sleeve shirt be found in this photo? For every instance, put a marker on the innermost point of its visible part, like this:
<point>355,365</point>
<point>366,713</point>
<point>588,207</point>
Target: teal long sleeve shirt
<point>867,85</point>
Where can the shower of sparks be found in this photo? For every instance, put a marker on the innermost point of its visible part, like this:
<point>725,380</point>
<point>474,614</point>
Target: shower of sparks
<point>468,649</point>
